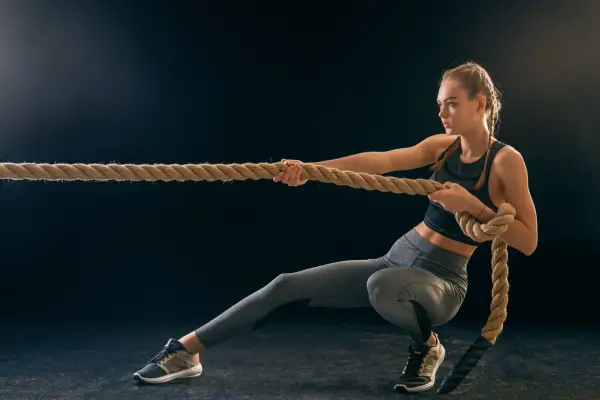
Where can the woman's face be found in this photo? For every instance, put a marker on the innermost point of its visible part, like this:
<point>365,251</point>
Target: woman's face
<point>458,113</point>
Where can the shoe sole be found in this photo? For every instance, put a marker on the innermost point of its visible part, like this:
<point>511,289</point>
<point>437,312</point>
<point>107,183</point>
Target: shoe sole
<point>400,388</point>
<point>186,373</point>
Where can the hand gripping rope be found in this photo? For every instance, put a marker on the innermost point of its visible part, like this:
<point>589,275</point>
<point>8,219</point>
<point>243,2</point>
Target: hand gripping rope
<point>227,172</point>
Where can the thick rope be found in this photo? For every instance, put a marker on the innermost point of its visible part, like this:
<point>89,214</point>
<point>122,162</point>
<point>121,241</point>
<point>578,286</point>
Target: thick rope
<point>227,172</point>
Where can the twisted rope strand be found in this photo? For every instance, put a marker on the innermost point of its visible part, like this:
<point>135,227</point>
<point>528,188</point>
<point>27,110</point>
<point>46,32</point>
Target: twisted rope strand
<point>227,172</point>
<point>211,172</point>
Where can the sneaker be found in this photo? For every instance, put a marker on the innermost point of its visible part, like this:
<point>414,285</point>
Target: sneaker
<point>421,367</point>
<point>172,362</point>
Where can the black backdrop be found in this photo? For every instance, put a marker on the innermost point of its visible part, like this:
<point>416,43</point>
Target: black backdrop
<point>195,82</point>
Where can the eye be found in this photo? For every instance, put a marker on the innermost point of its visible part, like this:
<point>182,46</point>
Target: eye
<point>450,104</point>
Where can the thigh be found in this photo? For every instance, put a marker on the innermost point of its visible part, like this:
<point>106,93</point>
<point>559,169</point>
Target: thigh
<point>338,284</point>
<point>436,295</point>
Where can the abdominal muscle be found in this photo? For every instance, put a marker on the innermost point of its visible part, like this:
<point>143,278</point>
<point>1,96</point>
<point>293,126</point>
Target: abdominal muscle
<point>444,242</point>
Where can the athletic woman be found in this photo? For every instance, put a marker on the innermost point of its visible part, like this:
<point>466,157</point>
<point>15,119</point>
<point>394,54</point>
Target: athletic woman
<point>422,280</point>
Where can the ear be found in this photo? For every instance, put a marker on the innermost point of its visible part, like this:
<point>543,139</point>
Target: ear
<point>481,103</point>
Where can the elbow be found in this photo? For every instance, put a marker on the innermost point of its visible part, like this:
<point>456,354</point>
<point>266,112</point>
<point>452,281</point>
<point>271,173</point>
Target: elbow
<point>530,249</point>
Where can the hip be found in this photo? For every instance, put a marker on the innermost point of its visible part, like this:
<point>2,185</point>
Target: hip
<point>413,251</point>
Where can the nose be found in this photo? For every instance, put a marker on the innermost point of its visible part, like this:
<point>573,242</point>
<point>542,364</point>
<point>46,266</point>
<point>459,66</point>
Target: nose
<point>443,112</point>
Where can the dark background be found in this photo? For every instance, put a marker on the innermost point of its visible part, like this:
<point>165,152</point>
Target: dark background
<point>226,82</point>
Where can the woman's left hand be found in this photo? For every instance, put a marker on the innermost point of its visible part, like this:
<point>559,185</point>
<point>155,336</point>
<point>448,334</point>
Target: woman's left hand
<point>454,198</point>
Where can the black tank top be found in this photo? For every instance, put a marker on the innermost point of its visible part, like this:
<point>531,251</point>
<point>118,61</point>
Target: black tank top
<point>467,175</point>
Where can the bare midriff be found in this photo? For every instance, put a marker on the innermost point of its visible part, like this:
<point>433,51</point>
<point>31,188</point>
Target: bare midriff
<point>444,242</point>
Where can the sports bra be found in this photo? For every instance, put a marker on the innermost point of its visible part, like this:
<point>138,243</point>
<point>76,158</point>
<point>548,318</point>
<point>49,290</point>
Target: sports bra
<point>467,175</point>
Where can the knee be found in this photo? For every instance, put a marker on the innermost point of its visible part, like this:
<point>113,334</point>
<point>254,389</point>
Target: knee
<point>380,288</point>
<point>280,286</point>
<point>392,294</point>
<point>393,284</point>
<point>384,298</point>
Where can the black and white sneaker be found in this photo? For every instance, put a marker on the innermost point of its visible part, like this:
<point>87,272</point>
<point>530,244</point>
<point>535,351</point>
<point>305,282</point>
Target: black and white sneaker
<point>421,367</point>
<point>172,362</point>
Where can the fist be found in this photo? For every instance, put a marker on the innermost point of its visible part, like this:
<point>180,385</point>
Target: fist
<point>454,198</point>
<point>291,176</point>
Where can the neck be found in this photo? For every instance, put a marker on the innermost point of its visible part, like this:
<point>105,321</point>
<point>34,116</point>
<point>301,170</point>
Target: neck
<point>474,144</point>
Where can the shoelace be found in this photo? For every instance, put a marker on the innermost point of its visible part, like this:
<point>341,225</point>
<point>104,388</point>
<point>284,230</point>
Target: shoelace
<point>428,364</point>
<point>164,353</point>
<point>414,364</point>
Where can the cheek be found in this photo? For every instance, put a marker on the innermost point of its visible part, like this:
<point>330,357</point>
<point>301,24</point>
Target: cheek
<point>456,116</point>
<point>460,117</point>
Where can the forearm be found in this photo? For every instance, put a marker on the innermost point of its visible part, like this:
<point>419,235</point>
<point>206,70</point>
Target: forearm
<point>368,162</point>
<point>518,235</point>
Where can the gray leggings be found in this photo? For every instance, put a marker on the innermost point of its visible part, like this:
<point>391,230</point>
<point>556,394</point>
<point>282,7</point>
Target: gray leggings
<point>415,286</point>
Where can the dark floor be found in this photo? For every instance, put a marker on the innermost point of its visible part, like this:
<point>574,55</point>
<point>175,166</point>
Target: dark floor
<point>300,361</point>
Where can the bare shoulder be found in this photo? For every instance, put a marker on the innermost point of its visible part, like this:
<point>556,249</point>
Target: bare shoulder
<point>509,159</point>
<point>508,177</point>
<point>423,153</point>
<point>508,167</point>
<point>441,139</point>
<point>436,144</point>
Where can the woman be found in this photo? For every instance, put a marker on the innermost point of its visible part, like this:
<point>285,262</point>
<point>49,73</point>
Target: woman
<point>422,281</point>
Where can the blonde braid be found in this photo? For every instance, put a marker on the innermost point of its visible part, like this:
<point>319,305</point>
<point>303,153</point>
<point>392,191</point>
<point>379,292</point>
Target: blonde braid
<point>438,164</point>
<point>494,105</point>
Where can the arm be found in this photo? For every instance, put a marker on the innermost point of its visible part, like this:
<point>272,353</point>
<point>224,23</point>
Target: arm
<point>383,162</point>
<point>522,234</point>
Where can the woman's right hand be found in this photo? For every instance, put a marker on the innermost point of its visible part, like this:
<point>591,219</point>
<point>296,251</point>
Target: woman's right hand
<point>291,176</point>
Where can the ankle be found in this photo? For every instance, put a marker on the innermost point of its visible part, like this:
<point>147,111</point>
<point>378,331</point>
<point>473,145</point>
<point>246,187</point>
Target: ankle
<point>196,359</point>
<point>432,341</point>
<point>191,343</point>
